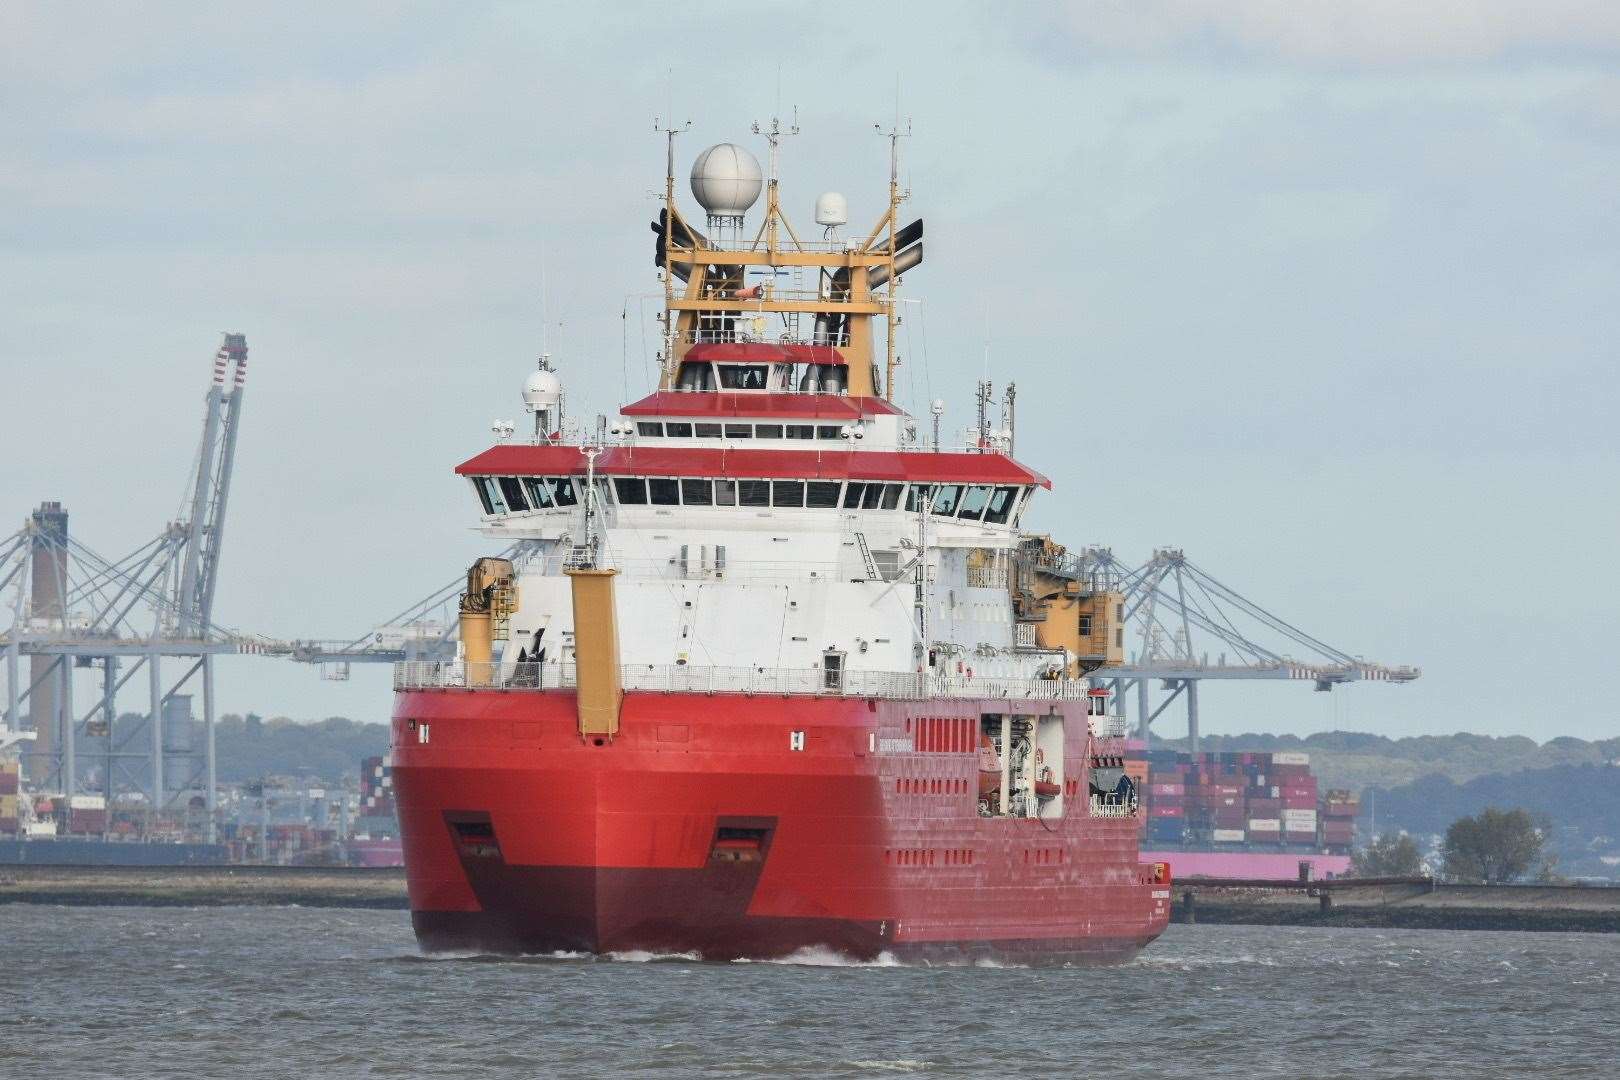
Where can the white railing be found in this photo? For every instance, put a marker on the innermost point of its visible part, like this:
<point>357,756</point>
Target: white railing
<point>692,679</point>
<point>1111,808</point>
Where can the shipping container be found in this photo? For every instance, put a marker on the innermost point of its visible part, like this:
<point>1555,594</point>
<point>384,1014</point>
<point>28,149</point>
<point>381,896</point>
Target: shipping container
<point>1290,757</point>
<point>1271,825</point>
<point>1227,836</point>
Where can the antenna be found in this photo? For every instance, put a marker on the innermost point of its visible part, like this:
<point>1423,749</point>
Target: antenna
<point>773,137</point>
<point>669,131</point>
<point>896,197</point>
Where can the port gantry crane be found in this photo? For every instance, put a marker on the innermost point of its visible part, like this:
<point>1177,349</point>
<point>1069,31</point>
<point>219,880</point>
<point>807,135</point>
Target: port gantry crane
<point>1169,600</point>
<point>73,608</point>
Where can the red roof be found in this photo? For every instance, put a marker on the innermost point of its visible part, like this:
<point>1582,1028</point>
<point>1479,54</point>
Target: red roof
<point>743,352</point>
<point>721,403</point>
<point>918,467</point>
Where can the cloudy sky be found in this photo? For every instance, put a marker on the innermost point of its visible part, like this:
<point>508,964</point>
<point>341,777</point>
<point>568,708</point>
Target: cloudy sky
<point>1323,293</point>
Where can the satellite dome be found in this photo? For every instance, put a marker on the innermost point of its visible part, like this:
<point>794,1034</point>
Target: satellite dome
<point>542,390</point>
<point>832,209</point>
<point>726,180</point>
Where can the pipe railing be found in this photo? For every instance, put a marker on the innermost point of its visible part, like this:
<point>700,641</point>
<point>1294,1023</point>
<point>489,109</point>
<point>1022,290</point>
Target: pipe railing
<point>692,679</point>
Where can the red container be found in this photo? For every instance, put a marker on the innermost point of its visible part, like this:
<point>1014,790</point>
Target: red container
<point>1167,789</point>
<point>1292,837</point>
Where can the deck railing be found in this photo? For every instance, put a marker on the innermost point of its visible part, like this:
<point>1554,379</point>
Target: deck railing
<point>692,679</point>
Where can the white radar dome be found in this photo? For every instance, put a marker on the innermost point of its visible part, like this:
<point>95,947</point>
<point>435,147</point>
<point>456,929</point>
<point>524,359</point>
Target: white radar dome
<point>726,180</point>
<point>542,390</point>
<point>832,209</point>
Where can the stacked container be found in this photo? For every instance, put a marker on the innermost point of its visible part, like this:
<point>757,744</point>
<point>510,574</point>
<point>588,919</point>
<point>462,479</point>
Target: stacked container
<point>1254,800</point>
<point>87,815</point>
<point>1338,822</point>
<point>10,785</point>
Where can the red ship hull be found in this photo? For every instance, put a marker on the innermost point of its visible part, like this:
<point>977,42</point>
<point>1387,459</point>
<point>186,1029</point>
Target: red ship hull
<point>703,828</point>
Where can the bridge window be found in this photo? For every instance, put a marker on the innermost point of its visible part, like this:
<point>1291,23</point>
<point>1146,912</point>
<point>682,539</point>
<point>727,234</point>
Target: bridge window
<point>492,495</point>
<point>539,489</point>
<point>918,496</point>
<point>663,491</point>
<point>632,490</point>
<point>678,431</point>
<point>828,431</point>
<point>821,493</point>
<point>513,491</point>
<point>767,431</point>
<point>697,492</point>
<point>563,494</point>
<point>708,431</point>
<point>483,494</point>
<point>725,493</point>
<point>1001,504</point>
<point>754,492</point>
<point>799,431</point>
<point>946,497</point>
<point>852,495</point>
<point>649,427</point>
<point>739,431</point>
<point>973,502</point>
<point>787,493</point>
<point>891,495</point>
<point>742,376</point>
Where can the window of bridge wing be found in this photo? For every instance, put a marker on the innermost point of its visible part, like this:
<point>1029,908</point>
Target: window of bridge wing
<point>973,502</point>
<point>828,431</point>
<point>891,496</point>
<point>739,431</point>
<point>946,496</point>
<point>853,493</point>
<point>493,495</point>
<point>725,493</point>
<point>512,490</point>
<point>632,490</point>
<point>663,491</point>
<point>707,431</point>
<point>787,493</point>
<point>678,430</point>
<point>918,496</point>
<point>649,427</point>
<point>767,431</point>
<point>1001,504</point>
<point>821,493</point>
<point>488,494</point>
<point>799,431</point>
<point>697,492</point>
<point>754,492</point>
<point>564,491</point>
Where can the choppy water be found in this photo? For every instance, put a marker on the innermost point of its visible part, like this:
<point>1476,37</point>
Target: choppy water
<point>250,993</point>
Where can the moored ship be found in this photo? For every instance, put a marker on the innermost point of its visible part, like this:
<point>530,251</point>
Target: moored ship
<point>763,667</point>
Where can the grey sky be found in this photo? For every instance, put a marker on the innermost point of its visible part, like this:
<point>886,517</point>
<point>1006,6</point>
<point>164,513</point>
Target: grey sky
<point>1322,293</point>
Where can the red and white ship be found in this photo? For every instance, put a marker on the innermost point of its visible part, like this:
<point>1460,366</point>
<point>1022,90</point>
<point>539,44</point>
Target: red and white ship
<point>764,667</point>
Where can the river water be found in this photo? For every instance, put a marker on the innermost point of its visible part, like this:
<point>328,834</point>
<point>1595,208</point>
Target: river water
<point>287,992</point>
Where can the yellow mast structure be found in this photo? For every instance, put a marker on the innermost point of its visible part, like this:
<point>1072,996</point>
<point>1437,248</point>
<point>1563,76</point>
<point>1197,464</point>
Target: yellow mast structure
<point>714,300</point>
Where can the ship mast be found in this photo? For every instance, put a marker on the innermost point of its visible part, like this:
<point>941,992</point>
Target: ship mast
<point>896,197</point>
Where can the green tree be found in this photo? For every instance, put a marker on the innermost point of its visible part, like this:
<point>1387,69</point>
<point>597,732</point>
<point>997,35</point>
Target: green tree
<point>1390,855</point>
<point>1496,846</point>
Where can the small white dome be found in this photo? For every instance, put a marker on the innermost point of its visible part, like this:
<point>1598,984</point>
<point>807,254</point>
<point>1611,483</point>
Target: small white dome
<point>542,390</point>
<point>726,180</point>
<point>832,209</point>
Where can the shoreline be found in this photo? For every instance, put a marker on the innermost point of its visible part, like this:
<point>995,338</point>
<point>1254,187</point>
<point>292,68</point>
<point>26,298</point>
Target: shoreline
<point>1343,904</point>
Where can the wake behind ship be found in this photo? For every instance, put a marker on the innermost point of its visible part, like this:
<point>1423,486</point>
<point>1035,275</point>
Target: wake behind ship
<point>763,667</point>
